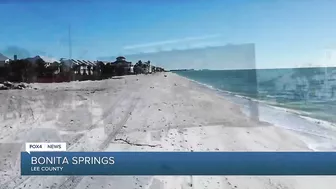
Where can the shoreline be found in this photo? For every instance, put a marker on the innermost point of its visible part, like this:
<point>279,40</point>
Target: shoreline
<point>242,101</point>
<point>265,102</point>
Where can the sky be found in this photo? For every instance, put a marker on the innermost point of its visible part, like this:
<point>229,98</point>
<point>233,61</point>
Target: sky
<point>286,33</point>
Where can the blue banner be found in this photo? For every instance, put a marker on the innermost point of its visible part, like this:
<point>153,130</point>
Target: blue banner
<point>178,163</point>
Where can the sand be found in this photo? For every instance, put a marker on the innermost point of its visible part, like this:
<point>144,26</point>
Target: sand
<point>171,113</point>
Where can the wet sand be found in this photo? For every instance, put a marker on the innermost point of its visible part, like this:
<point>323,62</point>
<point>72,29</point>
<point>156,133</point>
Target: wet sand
<point>138,113</point>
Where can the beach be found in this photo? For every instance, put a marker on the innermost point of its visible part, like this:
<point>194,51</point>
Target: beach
<point>158,112</point>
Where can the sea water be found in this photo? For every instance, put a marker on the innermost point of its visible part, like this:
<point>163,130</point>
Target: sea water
<point>299,99</point>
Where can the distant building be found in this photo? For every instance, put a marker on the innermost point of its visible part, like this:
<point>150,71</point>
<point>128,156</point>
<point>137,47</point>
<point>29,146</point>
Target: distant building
<point>148,67</point>
<point>123,64</point>
<point>67,64</point>
<point>120,59</point>
<point>226,57</point>
<point>81,67</point>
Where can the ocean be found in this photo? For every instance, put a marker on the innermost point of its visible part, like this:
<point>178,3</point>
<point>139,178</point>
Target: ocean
<point>309,91</point>
<point>300,99</point>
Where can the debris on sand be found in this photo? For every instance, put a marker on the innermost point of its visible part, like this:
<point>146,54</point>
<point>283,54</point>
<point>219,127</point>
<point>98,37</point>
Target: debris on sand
<point>136,144</point>
<point>6,85</point>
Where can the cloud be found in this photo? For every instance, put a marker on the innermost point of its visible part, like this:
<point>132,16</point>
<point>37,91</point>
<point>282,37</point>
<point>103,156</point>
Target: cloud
<point>174,41</point>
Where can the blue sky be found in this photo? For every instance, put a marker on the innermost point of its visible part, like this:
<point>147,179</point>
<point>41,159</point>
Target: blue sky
<point>286,33</point>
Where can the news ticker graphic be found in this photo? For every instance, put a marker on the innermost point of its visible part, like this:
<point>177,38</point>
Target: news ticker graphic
<point>178,163</point>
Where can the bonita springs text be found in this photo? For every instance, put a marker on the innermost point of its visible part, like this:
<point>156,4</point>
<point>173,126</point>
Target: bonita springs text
<point>57,163</point>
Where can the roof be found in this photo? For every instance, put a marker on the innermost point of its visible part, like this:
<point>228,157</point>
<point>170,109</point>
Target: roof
<point>123,61</point>
<point>104,62</point>
<point>33,59</point>
<point>44,58</point>
<point>69,62</point>
<point>86,62</point>
<point>91,63</point>
<point>49,59</point>
<point>73,61</point>
<point>3,57</point>
<point>78,62</point>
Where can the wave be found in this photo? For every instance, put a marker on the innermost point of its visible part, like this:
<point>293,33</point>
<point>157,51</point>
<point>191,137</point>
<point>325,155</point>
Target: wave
<point>321,133</point>
<point>266,102</point>
<point>320,122</point>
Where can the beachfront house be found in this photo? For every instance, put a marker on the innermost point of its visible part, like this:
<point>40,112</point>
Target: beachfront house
<point>91,67</point>
<point>86,67</point>
<point>147,68</point>
<point>51,65</point>
<point>81,67</point>
<point>143,68</point>
<point>121,66</point>
<point>66,64</point>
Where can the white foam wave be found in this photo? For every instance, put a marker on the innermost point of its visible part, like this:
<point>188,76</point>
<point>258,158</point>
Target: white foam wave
<point>322,134</point>
<point>322,123</point>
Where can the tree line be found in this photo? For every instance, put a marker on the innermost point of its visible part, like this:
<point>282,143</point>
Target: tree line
<point>24,70</point>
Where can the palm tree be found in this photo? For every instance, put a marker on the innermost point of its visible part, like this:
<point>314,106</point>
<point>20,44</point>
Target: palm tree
<point>138,67</point>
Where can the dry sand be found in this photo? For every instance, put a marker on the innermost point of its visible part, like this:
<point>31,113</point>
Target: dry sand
<point>171,113</point>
